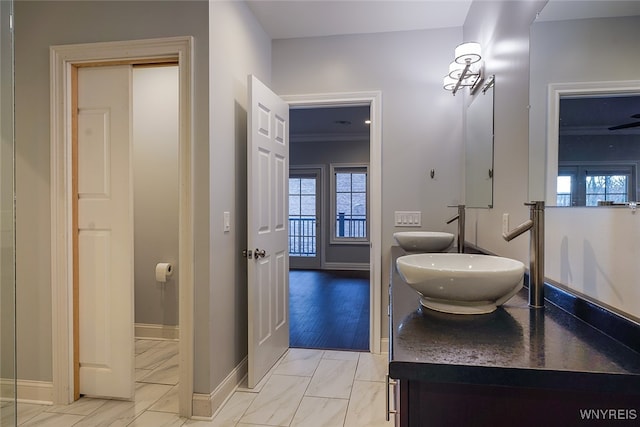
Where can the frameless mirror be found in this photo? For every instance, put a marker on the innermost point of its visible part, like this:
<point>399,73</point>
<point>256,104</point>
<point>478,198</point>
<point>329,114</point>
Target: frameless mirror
<point>584,121</point>
<point>479,149</point>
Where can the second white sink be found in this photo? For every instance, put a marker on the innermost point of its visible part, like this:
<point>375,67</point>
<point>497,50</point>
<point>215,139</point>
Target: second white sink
<point>424,241</point>
<point>462,283</point>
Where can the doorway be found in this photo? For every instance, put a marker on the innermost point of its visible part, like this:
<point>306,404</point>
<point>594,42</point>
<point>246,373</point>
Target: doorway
<point>64,60</point>
<point>332,232</point>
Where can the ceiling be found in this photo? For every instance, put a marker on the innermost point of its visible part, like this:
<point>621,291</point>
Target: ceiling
<point>344,124</point>
<point>285,19</point>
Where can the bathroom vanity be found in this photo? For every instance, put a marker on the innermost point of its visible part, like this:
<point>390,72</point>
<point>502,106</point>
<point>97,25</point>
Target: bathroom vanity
<point>515,366</point>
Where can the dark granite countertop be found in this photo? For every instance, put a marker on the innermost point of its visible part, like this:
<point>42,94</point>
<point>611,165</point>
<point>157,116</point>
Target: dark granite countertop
<point>513,346</point>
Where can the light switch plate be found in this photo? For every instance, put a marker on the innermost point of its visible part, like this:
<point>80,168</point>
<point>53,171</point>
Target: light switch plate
<point>227,221</point>
<point>408,219</point>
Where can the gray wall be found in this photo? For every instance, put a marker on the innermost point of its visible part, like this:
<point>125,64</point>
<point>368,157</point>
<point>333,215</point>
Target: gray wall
<point>238,46</point>
<point>155,192</point>
<point>421,123</point>
<point>38,26</point>
<point>326,153</point>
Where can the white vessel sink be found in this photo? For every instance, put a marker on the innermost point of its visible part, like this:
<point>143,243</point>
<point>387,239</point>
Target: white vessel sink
<point>423,241</point>
<point>461,283</point>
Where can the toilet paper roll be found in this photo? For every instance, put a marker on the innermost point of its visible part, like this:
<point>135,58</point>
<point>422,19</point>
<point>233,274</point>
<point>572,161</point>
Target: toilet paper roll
<point>163,271</point>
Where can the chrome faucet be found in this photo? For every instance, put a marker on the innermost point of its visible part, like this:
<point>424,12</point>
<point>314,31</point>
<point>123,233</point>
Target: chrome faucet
<point>460,217</point>
<point>536,251</point>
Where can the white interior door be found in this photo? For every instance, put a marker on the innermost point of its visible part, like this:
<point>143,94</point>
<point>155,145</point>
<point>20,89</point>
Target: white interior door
<point>105,232</point>
<point>267,204</point>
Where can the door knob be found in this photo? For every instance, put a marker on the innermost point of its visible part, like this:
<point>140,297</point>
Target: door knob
<point>259,253</point>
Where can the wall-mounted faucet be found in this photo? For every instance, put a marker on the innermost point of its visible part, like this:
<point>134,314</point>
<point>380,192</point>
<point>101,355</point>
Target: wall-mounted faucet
<point>536,252</point>
<point>460,217</point>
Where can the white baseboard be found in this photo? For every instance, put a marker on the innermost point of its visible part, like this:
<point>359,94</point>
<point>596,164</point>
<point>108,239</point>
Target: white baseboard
<point>206,405</point>
<point>28,391</point>
<point>151,331</point>
<point>360,266</point>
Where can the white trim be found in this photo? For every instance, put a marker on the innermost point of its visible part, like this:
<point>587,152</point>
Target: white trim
<point>28,391</point>
<point>555,91</point>
<point>62,58</point>
<point>384,345</point>
<point>359,266</point>
<point>373,99</point>
<point>156,332</point>
<point>205,406</point>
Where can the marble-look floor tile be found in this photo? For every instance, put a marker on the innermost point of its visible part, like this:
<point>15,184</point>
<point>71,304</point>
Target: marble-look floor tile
<point>367,405</point>
<point>320,412</point>
<point>141,345</point>
<point>157,419</point>
<point>278,401</point>
<point>341,355</point>
<point>333,378</point>
<point>159,353</point>
<point>141,373</point>
<point>243,386</point>
<point>233,409</point>
<point>82,406</point>
<point>52,419</point>
<point>372,367</point>
<point>148,394</point>
<point>26,411</point>
<point>252,425</point>
<point>299,361</point>
<point>112,413</point>
<point>166,373</point>
<point>168,402</point>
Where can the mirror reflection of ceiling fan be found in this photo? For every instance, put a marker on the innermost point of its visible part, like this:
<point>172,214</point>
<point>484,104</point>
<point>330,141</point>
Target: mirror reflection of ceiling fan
<point>628,125</point>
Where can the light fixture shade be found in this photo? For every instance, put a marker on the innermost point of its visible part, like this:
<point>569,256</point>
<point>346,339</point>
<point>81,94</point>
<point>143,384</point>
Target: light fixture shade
<point>470,51</point>
<point>455,70</point>
<point>449,83</point>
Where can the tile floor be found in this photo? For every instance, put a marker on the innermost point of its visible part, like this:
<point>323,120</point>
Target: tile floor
<point>306,388</point>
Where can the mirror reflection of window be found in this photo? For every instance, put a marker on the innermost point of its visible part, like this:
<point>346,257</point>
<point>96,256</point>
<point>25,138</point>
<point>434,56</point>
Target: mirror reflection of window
<point>598,149</point>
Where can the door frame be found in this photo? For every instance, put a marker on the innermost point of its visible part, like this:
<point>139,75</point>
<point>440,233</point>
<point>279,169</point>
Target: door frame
<point>374,100</point>
<point>63,60</point>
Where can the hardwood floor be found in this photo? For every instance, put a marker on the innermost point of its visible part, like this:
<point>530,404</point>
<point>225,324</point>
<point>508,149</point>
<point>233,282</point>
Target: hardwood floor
<point>329,309</point>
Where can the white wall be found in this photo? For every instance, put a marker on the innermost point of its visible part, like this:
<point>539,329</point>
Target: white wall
<point>238,47</point>
<point>503,30</point>
<point>591,250</point>
<point>155,192</point>
<point>421,123</point>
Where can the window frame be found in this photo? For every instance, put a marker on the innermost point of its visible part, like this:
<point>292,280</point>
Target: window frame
<point>348,168</point>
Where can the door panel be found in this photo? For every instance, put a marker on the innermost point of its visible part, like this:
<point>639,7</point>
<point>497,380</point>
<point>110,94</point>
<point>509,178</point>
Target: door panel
<point>105,232</point>
<point>267,202</point>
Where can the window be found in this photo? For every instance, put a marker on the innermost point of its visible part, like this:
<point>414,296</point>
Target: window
<point>302,216</point>
<point>564,190</point>
<point>606,187</point>
<point>594,184</point>
<point>349,204</point>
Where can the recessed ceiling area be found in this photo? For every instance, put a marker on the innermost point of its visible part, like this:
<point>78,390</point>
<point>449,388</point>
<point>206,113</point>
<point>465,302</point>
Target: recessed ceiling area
<point>345,123</point>
<point>285,19</point>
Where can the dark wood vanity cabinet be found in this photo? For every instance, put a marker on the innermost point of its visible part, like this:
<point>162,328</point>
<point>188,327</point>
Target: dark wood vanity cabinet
<point>514,367</point>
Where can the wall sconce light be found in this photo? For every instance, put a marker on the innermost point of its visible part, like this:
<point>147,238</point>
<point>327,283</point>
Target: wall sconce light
<point>466,68</point>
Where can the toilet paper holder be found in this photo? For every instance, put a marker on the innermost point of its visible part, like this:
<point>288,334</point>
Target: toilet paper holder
<point>164,270</point>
